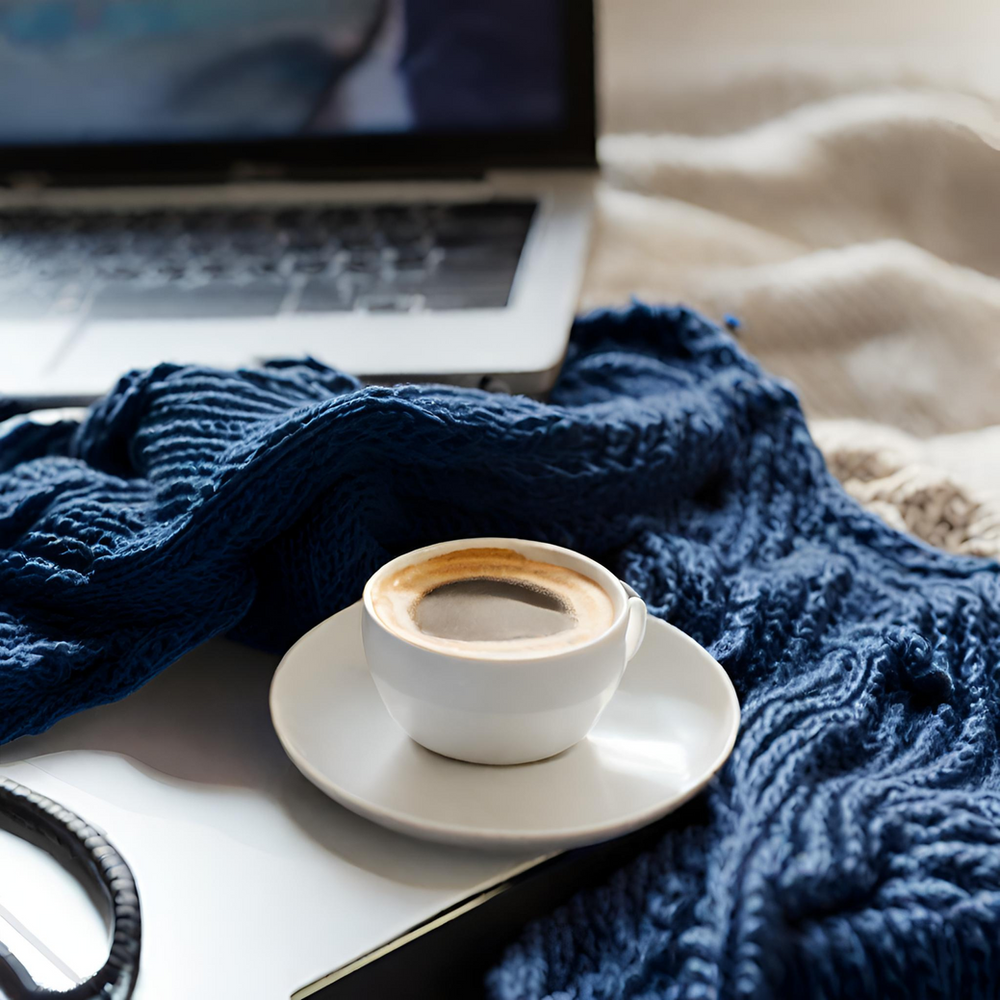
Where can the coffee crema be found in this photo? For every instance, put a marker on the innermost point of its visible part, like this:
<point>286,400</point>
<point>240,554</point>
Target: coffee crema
<point>494,602</point>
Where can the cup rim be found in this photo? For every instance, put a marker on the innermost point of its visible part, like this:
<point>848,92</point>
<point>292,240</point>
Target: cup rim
<point>610,583</point>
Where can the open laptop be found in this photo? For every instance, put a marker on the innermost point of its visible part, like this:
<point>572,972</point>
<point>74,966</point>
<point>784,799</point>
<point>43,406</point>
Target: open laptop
<point>398,188</point>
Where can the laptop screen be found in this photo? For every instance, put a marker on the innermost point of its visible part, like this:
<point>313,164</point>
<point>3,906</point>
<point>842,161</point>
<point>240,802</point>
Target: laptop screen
<point>134,72</point>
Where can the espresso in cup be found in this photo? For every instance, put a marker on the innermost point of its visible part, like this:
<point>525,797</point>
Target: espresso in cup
<point>492,602</point>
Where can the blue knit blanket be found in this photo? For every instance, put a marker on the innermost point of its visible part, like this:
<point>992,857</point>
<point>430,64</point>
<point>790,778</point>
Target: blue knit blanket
<point>850,847</point>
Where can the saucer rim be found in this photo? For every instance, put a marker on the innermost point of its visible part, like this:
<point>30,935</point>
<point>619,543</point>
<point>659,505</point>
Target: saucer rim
<point>492,839</point>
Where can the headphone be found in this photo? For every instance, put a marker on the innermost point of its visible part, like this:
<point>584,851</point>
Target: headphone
<point>100,869</point>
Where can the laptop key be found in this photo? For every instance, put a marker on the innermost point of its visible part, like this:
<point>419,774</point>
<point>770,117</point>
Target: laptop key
<point>129,301</point>
<point>389,302</point>
<point>320,295</point>
<point>483,297</point>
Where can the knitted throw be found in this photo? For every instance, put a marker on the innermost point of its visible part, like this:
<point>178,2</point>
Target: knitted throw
<point>851,845</point>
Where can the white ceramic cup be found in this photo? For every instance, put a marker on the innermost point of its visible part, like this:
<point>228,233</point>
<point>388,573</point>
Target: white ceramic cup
<point>502,711</point>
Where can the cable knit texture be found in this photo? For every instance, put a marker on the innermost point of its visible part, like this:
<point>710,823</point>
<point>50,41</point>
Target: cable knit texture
<point>850,847</point>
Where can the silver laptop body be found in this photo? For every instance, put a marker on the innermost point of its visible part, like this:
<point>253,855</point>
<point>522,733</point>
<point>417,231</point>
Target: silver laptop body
<point>398,188</point>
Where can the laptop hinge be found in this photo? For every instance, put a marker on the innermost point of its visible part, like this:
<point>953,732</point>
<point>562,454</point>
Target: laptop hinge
<point>239,172</point>
<point>249,170</point>
<point>34,181</point>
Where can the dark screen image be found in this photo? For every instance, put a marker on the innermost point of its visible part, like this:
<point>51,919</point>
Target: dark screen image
<point>79,71</point>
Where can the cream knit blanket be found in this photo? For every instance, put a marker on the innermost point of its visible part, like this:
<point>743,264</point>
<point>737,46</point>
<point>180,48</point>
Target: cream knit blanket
<point>851,223</point>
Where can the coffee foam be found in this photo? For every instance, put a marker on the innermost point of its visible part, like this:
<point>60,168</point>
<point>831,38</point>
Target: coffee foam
<point>396,597</point>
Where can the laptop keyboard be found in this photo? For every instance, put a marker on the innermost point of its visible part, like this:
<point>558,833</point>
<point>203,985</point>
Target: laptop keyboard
<point>233,261</point>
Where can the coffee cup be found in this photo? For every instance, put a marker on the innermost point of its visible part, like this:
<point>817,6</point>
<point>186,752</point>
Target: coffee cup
<point>498,650</point>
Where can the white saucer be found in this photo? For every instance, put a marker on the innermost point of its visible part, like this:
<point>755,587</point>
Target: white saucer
<point>668,729</point>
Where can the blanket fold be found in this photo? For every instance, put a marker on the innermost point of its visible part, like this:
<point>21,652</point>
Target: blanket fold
<point>851,845</point>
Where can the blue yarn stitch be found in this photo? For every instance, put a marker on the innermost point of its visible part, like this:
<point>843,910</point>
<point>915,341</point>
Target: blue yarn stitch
<point>851,845</point>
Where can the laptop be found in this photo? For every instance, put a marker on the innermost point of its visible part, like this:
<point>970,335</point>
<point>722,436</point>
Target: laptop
<point>401,189</point>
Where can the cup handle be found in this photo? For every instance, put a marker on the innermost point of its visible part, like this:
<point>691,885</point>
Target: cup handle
<point>635,631</point>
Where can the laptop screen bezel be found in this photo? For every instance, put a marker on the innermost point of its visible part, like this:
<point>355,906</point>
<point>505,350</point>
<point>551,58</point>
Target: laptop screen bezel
<point>369,156</point>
